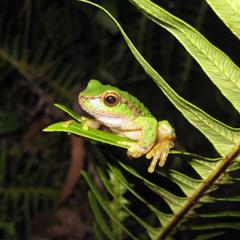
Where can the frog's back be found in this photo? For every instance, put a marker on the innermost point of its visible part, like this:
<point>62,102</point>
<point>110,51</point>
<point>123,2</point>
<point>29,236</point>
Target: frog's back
<point>96,88</point>
<point>133,103</point>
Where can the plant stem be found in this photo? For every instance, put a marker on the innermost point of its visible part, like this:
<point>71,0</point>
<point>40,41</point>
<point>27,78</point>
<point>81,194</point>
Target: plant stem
<point>221,167</point>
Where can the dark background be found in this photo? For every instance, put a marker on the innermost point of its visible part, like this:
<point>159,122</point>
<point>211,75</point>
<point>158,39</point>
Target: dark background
<point>48,52</point>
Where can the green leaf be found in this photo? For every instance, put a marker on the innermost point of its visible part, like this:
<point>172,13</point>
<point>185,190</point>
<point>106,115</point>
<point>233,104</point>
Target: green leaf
<point>235,166</point>
<point>206,236</point>
<point>104,204</point>
<point>215,226</point>
<point>68,111</point>
<point>150,229</point>
<point>217,65</point>
<point>187,213</point>
<point>229,12</point>
<point>78,129</point>
<point>194,191</point>
<point>224,138</point>
<point>94,134</point>
<point>99,216</point>
<point>187,184</point>
<point>98,232</point>
<point>221,214</point>
<point>204,167</point>
<point>173,200</point>
<point>235,199</point>
<point>163,217</point>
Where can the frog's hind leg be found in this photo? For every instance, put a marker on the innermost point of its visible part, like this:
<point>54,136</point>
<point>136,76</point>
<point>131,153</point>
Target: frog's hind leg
<point>145,135</point>
<point>165,141</point>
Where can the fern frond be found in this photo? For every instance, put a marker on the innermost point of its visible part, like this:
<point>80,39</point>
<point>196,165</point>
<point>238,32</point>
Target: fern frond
<point>188,213</point>
<point>23,192</point>
<point>229,12</point>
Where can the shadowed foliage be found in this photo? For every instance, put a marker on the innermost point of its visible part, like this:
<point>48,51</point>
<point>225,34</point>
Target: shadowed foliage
<point>48,52</point>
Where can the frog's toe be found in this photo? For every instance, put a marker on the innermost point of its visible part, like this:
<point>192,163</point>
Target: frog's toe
<point>67,123</point>
<point>89,123</point>
<point>153,163</point>
<point>159,154</point>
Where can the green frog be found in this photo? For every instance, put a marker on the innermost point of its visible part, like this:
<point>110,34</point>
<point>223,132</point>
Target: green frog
<point>124,115</point>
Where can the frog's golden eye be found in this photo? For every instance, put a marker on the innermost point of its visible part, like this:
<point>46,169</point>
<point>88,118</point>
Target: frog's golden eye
<point>111,99</point>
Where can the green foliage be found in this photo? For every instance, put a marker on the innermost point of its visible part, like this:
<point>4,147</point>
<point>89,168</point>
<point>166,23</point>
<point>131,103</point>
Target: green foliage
<point>32,72</point>
<point>228,11</point>
<point>195,207</point>
<point>219,67</point>
<point>8,123</point>
<point>41,58</point>
<point>44,60</point>
<point>24,191</point>
<point>49,48</point>
<point>78,129</point>
<point>196,210</point>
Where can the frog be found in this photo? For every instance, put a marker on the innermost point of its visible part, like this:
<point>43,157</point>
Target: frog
<point>123,114</point>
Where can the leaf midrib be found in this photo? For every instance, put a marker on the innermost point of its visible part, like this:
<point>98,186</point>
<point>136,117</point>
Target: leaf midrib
<point>228,77</point>
<point>194,199</point>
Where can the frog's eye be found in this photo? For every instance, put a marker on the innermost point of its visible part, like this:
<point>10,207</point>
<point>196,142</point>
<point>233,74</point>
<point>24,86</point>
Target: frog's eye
<point>111,99</point>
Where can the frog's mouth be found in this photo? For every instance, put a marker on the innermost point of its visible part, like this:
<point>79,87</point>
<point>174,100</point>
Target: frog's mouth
<point>87,105</point>
<point>83,101</point>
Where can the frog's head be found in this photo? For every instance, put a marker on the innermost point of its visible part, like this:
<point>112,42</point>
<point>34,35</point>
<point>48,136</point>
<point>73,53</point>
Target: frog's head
<point>106,101</point>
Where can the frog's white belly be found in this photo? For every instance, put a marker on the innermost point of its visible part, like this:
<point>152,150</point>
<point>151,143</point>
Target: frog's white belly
<point>121,126</point>
<point>133,134</point>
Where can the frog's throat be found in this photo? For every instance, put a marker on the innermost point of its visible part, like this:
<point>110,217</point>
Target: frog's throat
<point>135,110</point>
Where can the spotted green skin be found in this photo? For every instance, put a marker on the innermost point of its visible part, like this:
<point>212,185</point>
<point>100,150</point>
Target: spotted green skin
<point>129,118</point>
<point>96,88</point>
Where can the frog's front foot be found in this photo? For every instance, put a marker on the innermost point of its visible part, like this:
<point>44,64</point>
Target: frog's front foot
<point>67,123</point>
<point>159,154</point>
<point>89,123</point>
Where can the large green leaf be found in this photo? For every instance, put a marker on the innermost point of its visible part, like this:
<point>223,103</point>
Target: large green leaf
<point>217,65</point>
<point>223,138</point>
<point>229,12</point>
<point>75,127</point>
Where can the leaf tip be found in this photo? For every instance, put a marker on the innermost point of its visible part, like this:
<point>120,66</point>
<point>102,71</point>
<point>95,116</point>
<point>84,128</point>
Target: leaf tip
<point>58,105</point>
<point>46,129</point>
